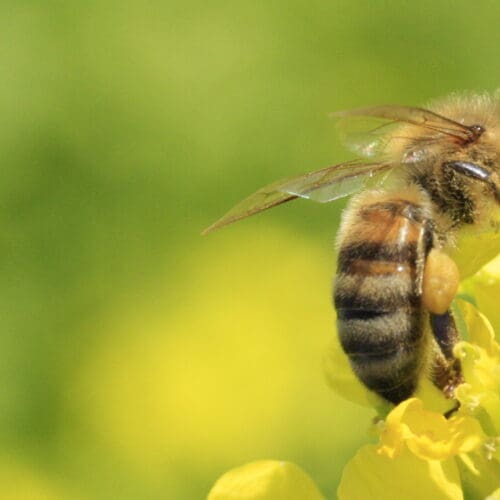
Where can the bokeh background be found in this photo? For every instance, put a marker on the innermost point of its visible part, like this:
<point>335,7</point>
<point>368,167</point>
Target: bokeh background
<point>139,360</point>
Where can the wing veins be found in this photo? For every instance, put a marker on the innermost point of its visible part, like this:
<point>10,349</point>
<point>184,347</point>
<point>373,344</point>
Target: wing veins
<point>278,193</point>
<point>415,116</point>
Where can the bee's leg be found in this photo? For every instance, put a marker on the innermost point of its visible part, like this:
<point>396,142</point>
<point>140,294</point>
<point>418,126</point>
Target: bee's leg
<point>440,284</point>
<point>446,369</point>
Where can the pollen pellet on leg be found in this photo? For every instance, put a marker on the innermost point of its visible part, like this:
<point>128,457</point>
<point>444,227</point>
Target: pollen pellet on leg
<point>440,283</point>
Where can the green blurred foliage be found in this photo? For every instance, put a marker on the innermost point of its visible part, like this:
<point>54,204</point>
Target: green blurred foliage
<point>138,359</point>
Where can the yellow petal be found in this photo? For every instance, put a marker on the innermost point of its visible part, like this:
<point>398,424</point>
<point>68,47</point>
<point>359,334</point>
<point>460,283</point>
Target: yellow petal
<point>480,359</point>
<point>481,392</point>
<point>428,434</point>
<point>478,328</point>
<point>370,475</point>
<point>484,286</point>
<point>474,250</point>
<point>265,480</point>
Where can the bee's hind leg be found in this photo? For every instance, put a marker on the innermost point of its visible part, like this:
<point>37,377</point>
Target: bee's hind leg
<point>446,369</point>
<point>440,284</point>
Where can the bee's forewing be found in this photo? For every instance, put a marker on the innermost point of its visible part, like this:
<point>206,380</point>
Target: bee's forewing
<point>415,116</point>
<point>336,182</point>
<point>263,199</point>
<point>323,186</point>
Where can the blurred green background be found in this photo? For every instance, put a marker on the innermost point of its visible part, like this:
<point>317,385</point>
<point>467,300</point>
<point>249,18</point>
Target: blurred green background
<point>139,360</point>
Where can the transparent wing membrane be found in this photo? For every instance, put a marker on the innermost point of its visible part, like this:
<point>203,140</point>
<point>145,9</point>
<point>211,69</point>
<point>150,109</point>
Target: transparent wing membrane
<point>335,182</point>
<point>415,116</point>
<point>366,136</point>
<point>323,186</point>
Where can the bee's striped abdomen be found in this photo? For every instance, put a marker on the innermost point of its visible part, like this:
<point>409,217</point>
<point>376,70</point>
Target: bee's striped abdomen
<point>377,294</point>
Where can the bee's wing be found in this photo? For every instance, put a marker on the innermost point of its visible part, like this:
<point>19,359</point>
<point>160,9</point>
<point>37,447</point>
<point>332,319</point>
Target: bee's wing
<point>323,186</point>
<point>366,136</point>
<point>367,131</point>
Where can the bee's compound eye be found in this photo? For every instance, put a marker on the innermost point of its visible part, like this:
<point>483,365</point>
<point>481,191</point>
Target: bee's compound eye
<point>468,169</point>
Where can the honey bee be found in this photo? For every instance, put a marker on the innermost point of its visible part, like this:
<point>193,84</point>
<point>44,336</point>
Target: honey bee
<point>431,174</point>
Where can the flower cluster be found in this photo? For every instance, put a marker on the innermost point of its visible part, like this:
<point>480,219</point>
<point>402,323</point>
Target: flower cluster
<point>420,453</point>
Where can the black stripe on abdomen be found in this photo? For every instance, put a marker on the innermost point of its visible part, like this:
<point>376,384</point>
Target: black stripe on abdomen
<point>367,334</point>
<point>375,251</point>
<point>385,349</point>
<point>379,316</point>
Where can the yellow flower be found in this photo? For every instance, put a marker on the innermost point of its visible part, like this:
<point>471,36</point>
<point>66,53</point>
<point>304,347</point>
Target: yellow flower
<point>480,395</point>
<point>419,447</point>
<point>484,287</point>
<point>428,434</point>
<point>474,250</point>
<point>265,480</point>
<point>372,476</point>
<point>420,453</point>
